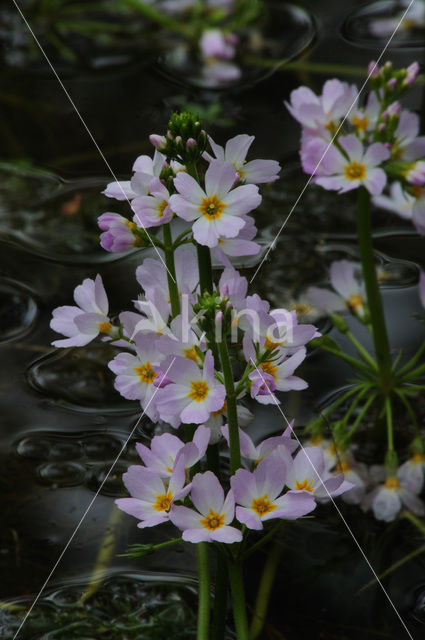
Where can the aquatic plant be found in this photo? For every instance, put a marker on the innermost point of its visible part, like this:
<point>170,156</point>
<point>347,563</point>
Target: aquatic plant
<point>192,350</point>
<point>347,146</point>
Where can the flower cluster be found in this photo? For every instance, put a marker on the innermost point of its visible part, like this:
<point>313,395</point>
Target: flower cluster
<point>345,145</point>
<point>191,351</point>
<point>375,487</point>
<point>273,485</point>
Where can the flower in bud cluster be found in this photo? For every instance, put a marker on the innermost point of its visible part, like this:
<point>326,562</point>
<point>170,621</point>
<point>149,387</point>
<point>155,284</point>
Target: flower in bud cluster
<point>185,140</point>
<point>119,233</point>
<point>412,73</point>
<point>159,142</point>
<point>372,69</point>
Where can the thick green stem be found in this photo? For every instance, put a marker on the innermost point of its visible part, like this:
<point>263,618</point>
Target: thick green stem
<point>171,271</point>
<point>204,254</point>
<point>204,592</point>
<point>205,268</point>
<point>390,429</point>
<point>264,591</point>
<point>220,598</point>
<point>232,415</point>
<point>238,600</point>
<point>374,301</point>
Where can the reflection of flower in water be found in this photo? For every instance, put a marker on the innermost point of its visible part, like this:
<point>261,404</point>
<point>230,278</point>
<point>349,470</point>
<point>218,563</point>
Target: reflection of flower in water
<point>414,19</point>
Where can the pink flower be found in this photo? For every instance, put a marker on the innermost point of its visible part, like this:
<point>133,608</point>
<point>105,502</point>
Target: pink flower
<point>259,494</point>
<point>214,513</point>
<point>337,172</point>
<point>243,245</point>
<point>266,448</point>
<point>136,373</point>
<point>213,44</point>
<point>83,323</point>
<point>164,449</point>
<point>145,168</point>
<point>218,211</point>
<point>308,473</point>
<point>235,151</point>
<point>194,393</point>
<point>320,114</point>
<point>152,210</point>
<point>349,294</point>
<point>118,233</point>
<point>398,201</point>
<point>388,499</point>
<point>152,496</point>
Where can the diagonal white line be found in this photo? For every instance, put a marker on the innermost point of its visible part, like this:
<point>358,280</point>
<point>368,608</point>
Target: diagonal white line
<point>83,122</point>
<point>273,243</point>
<point>87,509</point>
<point>336,506</point>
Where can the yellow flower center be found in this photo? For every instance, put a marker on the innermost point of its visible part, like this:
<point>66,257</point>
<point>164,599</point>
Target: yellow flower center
<point>355,171</point>
<point>146,373</point>
<point>355,302</point>
<point>271,346</point>
<point>418,458</point>
<point>161,208</point>
<point>212,207</point>
<point>342,467</point>
<point>305,485</point>
<point>392,483</point>
<point>191,354</point>
<point>104,327</point>
<point>329,125</point>
<point>300,308</point>
<point>262,505</point>
<point>163,501</point>
<point>213,520</point>
<point>198,390</point>
<point>361,123</point>
<point>269,368</point>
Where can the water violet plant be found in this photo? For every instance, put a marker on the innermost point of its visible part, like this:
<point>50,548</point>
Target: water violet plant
<point>372,148</point>
<point>194,348</point>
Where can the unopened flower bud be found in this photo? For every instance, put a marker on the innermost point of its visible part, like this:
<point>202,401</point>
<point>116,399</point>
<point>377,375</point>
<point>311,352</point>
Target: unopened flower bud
<point>191,143</point>
<point>412,73</point>
<point>372,69</point>
<point>157,140</point>
<point>382,126</point>
<point>392,83</point>
<point>179,140</point>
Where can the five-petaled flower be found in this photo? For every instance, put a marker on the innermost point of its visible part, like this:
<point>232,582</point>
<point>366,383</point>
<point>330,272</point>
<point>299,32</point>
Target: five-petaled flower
<point>218,211</point>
